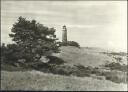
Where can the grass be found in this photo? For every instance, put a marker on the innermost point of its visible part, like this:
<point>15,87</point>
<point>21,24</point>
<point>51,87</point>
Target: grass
<point>11,68</point>
<point>35,80</point>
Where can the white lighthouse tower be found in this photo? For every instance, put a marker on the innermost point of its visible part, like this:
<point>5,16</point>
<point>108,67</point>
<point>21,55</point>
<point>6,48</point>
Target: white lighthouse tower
<point>64,34</point>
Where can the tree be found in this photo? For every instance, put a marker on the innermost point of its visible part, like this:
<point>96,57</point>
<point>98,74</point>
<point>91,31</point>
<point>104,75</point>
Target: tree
<point>3,50</point>
<point>33,39</point>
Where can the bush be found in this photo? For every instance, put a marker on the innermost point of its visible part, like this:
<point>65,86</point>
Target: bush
<point>76,70</point>
<point>55,60</point>
<point>62,70</point>
<point>116,76</point>
<point>96,71</point>
<point>70,43</point>
<point>117,66</point>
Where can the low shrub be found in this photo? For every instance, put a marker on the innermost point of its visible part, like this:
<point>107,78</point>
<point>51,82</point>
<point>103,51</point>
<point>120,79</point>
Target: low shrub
<point>55,60</point>
<point>117,66</point>
<point>96,71</point>
<point>79,70</point>
<point>116,76</point>
<point>63,69</point>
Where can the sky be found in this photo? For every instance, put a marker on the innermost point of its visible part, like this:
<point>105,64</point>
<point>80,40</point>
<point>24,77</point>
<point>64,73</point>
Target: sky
<point>90,23</point>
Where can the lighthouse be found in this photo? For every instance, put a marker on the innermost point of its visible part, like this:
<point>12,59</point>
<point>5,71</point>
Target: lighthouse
<point>64,34</point>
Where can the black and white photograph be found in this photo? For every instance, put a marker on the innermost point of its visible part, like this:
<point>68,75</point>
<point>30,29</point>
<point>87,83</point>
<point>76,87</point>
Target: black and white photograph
<point>66,45</point>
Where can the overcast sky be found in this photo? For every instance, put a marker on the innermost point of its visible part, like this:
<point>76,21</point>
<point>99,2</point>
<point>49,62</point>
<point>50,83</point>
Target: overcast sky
<point>96,24</point>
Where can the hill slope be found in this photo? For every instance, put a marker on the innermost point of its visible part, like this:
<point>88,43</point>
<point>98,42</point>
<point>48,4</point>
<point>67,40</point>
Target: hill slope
<point>85,56</point>
<point>35,80</point>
